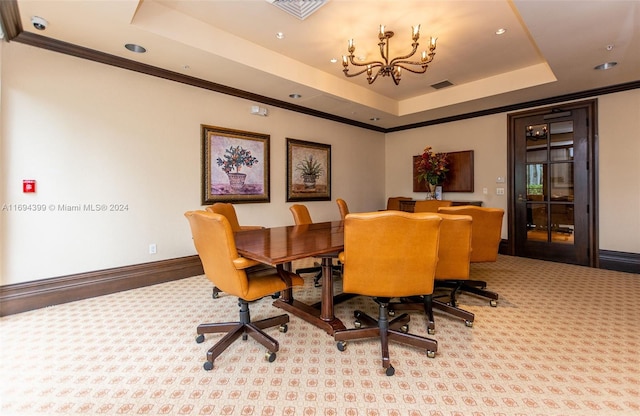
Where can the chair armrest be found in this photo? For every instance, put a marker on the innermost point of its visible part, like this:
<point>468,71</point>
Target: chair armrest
<point>242,263</point>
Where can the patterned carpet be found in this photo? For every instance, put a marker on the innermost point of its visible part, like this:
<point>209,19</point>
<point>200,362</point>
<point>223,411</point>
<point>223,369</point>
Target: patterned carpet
<point>564,340</point>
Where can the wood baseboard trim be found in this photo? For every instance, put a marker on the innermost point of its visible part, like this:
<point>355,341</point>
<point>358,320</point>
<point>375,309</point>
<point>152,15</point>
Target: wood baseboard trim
<point>22,297</point>
<point>619,261</point>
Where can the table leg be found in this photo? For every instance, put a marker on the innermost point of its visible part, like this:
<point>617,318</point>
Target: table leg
<point>287,294</point>
<point>326,308</point>
<point>322,318</point>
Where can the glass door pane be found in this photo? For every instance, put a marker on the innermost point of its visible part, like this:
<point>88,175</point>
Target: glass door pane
<point>537,225</point>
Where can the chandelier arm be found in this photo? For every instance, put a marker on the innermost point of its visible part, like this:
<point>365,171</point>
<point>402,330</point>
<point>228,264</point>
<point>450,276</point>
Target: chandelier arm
<point>396,80</point>
<point>374,64</point>
<point>410,54</point>
<point>370,80</point>
<point>412,69</point>
<point>356,74</point>
<point>396,61</point>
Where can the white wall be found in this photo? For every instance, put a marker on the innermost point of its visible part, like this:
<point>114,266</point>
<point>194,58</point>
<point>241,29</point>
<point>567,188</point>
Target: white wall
<point>619,178</point>
<point>93,134</point>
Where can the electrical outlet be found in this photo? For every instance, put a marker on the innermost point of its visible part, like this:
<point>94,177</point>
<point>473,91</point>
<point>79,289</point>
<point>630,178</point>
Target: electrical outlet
<point>485,191</point>
<point>152,248</point>
<point>499,191</point>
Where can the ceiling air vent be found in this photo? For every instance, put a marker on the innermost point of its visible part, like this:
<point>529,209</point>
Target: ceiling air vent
<point>298,8</point>
<point>442,84</point>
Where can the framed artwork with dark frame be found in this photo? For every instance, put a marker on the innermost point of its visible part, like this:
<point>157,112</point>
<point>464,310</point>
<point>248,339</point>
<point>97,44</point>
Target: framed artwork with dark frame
<point>308,171</point>
<point>235,166</point>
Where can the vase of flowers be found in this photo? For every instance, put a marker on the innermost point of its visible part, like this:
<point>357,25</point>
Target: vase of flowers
<point>432,169</point>
<point>232,161</point>
<point>310,169</point>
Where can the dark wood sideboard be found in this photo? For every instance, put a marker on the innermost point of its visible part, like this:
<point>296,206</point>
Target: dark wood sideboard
<point>408,206</point>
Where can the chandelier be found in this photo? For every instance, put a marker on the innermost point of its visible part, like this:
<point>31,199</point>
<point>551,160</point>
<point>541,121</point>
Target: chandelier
<point>393,67</point>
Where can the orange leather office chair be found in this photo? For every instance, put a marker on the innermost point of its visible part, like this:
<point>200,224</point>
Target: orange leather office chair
<point>383,253</point>
<point>301,216</point>
<point>393,203</point>
<point>215,244</point>
<point>342,206</point>
<point>485,243</point>
<point>230,213</point>
<point>454,256</point>
<point>430,205</point>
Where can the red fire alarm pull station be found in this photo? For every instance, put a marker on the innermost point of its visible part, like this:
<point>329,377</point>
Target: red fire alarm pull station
<point>28,186</point>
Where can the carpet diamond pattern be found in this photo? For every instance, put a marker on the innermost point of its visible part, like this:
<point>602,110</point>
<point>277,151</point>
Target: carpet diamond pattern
<point>563,340</point>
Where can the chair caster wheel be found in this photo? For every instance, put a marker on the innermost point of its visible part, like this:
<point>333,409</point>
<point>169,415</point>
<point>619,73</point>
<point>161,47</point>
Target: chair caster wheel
<point>200,339</point>
<point>390,371</point>
<point>493,303</point>
<point>342,345</point>
<point>357,324</point>
<point>275,295</point>
<point>469,323</point>
<point>283,328</point>
<point>270,356</point>
<point>392,312</point>
<point>431,354</point>
<point>208,366</point>
<point>404,328</point>
<point>215,294</point>
<point>431,331</point>
<point>245,337</point>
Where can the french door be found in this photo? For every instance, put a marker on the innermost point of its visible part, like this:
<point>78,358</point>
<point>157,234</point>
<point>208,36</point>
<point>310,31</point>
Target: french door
<point>552,176</point>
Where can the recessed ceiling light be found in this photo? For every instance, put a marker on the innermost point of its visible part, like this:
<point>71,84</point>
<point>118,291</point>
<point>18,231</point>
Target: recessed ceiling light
<point>280,35</point>
<point>606,65</point>
<point>295,96</point>
<point>333,60</point>
<point>501,31</point>
<point>135,48</point>
<point>374,118</point>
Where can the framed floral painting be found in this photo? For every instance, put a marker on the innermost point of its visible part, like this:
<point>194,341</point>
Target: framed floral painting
<point>235,166</point>
<point>308,171</point>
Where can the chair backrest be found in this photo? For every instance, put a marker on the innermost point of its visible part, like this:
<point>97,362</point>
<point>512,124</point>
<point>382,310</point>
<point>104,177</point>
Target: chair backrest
<point>486,230</point>
<point>393,203</point>
<point>430,205</point>
<point>301,214</point>
<point>228,211</point>
<point>454,253</point>
<point>215,244</point>
<point>390,253</point>
<point>342,206</point>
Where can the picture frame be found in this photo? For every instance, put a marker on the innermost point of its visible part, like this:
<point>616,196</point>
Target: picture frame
<point>235,166</point>
<point>308,171</point>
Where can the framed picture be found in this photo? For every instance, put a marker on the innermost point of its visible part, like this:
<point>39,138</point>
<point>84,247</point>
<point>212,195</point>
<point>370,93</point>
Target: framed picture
<point>308,171</point>
<point>235,166</point>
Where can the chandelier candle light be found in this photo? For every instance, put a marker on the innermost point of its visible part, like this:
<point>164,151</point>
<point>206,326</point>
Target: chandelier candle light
<point>393,67</point>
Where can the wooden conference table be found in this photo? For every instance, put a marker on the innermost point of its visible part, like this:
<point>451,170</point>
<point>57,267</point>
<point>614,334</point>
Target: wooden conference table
<point>279,246</point>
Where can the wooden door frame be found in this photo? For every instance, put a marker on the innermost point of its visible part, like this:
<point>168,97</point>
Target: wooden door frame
<point>592,174</point>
